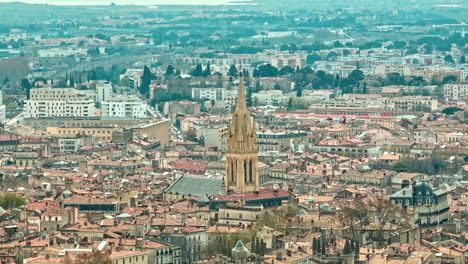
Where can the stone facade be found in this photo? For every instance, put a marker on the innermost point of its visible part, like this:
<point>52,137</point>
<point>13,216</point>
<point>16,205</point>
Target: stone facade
<point>242,155</point>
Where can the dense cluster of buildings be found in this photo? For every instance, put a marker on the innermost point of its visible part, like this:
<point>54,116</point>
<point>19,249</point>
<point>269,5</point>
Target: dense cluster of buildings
<point>183,148</point>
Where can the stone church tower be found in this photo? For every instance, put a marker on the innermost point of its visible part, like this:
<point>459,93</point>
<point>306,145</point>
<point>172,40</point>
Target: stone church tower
<point>242,155</point>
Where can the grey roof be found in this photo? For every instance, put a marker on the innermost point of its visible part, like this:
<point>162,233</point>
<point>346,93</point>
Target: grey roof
<point>196,186</point>
<point>406,192</point>
<point>240,247</point>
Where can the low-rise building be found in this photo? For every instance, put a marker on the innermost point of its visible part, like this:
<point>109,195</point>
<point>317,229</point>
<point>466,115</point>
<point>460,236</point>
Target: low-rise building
<point>411,103</point>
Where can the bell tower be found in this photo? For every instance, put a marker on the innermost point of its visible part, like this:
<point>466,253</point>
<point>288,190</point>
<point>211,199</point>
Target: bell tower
<point>242,155</point>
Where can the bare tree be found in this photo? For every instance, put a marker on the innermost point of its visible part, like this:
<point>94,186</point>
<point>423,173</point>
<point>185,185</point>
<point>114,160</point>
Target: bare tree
<point>95,257</point>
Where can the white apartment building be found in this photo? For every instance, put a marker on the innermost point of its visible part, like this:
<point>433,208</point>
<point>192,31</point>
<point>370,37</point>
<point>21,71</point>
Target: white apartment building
<point>104,90</point>
<point>59,102</point>
<point>456,91</point>
<point>124,106</point>
<point>270,97</point>
<point>214,136</point>
<point>384,70</point>
<point>2,109</point>
<point>410,103</point>
<point>134,75</point>
<point>217,94</point>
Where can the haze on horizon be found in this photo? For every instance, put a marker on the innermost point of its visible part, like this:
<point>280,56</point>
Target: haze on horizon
<point>123,2</point>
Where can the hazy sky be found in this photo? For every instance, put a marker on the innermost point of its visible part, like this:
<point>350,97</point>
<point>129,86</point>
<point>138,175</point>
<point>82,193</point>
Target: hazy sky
<point>126,2</point>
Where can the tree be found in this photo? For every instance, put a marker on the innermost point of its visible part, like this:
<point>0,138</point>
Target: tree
<point>462,59</point>
<point>394,78</point>
<point>191,134</point>
<point>299,91</point>
<point>331,55</point>
<point>255,73</point>
<point>356,75</point>
<point>417,81</point>
<point>213,102</point>
<point>169,70</point>
<point>26,85</point>
<point>197,71</point>
<point>354,216</point>
<point>248,97</point>
<point>286,70</point>
<point>364,89</point>
<point>311,58</point>
<point>95,257</point>
<point>145,81</point>
<point>267,70</point>
<point>451,110</point>
<point>11,200</point>
<point>232,71</point>
<point>245,73</point>
<point>449,59</point>
<point>449,79</point>
<point>207,71</point>
<point>388,214</point>
<point>337,44</point>
<point>296,103</point>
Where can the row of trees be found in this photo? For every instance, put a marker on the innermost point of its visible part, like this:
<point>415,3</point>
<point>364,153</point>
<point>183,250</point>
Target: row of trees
<point>429,166</point>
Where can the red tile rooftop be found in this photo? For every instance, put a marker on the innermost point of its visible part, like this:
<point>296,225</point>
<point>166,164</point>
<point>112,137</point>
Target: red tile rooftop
<point>262,194</point>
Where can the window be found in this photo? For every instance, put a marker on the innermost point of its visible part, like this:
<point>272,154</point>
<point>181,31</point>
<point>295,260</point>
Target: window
<point>232,171</point>
<point>251,171</point>
<point>245,171</point>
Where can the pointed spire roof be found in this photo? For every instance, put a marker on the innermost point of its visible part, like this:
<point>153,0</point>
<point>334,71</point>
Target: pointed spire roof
<point>240,246</point>
<point>241,105</point>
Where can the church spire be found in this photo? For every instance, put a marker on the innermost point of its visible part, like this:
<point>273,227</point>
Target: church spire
<point>242,155</point>
<point>241,105</point>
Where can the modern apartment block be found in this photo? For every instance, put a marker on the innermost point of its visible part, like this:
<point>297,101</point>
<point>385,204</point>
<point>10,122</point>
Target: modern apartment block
<point>124,106</point>
<point>456,91</point>
<point>59,102</point>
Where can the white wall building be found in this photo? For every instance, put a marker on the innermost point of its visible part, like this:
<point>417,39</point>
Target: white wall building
<point>124,106</point>
<point>2,109</point>
<point>217,94</point>
<point>456,91</point>
<point>104,90</point>
<point>270,97</point>
<point>59,102</point>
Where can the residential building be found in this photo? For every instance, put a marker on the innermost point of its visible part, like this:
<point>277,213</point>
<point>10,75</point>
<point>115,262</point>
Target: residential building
<point>384,69</point>
<point>124,106</point>
<point>238,214</point>
<point>410,104</point>
<point>134,77</point>
<point>367,176</point>
<point>429,204</point>
<point>213,136</point>
<point>278,141</point>
<point>59,102</point>
<point>104,91</point>
<point>159,130</point>
<point>456,91</point>
<point>2,109</point>
<point>104,134</point>
<point>269,97</point>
